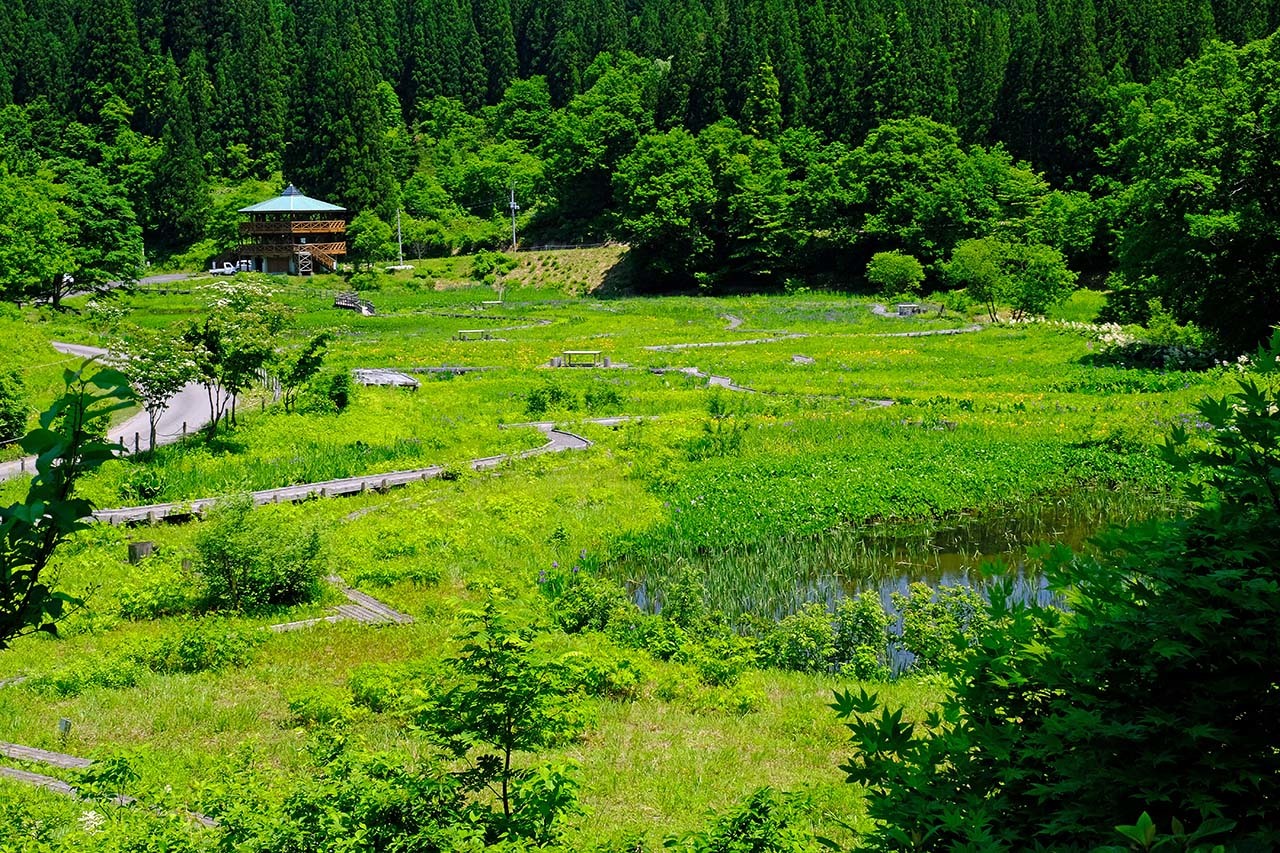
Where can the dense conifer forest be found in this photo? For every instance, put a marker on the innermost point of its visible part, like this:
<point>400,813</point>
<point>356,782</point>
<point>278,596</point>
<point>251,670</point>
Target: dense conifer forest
<point>729,141</point>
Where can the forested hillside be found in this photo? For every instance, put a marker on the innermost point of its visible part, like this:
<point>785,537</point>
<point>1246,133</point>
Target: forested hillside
<point>726,139</point>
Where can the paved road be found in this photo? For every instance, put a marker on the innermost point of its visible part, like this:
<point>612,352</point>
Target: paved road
<point>167,278</point>
<point>190,405</point>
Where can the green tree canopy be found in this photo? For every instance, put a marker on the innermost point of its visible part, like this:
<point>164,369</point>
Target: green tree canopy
<point>666,193</point>
<point>1201,152</point>
<point>1030,278</point>
<point>34,237</point>
<point>894,272</point>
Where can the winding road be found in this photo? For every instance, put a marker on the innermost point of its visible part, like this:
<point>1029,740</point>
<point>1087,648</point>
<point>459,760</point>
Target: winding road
<point>190,406</point>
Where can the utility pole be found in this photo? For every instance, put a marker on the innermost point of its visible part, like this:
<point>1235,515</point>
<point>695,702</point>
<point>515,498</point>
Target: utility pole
<point>514,208</point>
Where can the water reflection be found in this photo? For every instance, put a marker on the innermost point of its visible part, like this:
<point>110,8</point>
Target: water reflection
<point>778,577</point>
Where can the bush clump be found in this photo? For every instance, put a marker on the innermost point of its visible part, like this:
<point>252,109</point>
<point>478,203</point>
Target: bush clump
<point>319,706</point>
<point>588,603</point>
<point>486,264</point>
<point>195,646</point>
<point>198,646</point>
<point>895,272</point>
<point>940,626</point>
<point>803,641</point>
<point>636,629</point>
<point>159,587</point>
<point>853,640</point>
<point>604,673</point>
<point>252,559</point>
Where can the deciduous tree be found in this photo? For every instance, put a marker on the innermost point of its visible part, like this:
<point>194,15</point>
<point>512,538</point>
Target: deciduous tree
<point>499,701</point>
<point>158,365</point>
<point>297,369</point>
<point>34,247</point>
<point>66,448</point>
<point>666,194</point>
<point>894,272</point>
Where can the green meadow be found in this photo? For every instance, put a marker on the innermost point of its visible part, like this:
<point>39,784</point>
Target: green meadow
<point>854,431</point>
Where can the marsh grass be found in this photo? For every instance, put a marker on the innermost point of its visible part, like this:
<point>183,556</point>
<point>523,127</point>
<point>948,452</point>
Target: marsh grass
<point>777,576</point>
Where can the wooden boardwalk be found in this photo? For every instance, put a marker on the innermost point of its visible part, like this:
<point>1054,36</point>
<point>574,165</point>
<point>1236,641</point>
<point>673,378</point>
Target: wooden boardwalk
<point>712,379</point>
<point>61,760</point>
<point>19,752</point>
<point>557,441</point>
<point>771,340</point>
<point>363,608</point>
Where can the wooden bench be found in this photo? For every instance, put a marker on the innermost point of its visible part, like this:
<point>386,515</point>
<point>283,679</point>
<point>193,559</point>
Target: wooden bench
<point>583,358</point>
<point>474,335</point>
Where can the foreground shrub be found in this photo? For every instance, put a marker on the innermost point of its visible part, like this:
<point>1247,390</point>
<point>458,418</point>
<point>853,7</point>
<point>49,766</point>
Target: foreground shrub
<point>494,701</point>
<point>351,800</point>
<point>1154,695</point>
<point>939,626</point>
<point>766,822</point>
<point>32,820</point>
<point>854,640</point>
<point>251,559</point>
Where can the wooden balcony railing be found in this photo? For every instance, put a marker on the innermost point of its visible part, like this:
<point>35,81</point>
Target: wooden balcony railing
<point>301,226</point>
<point>286,250</point>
